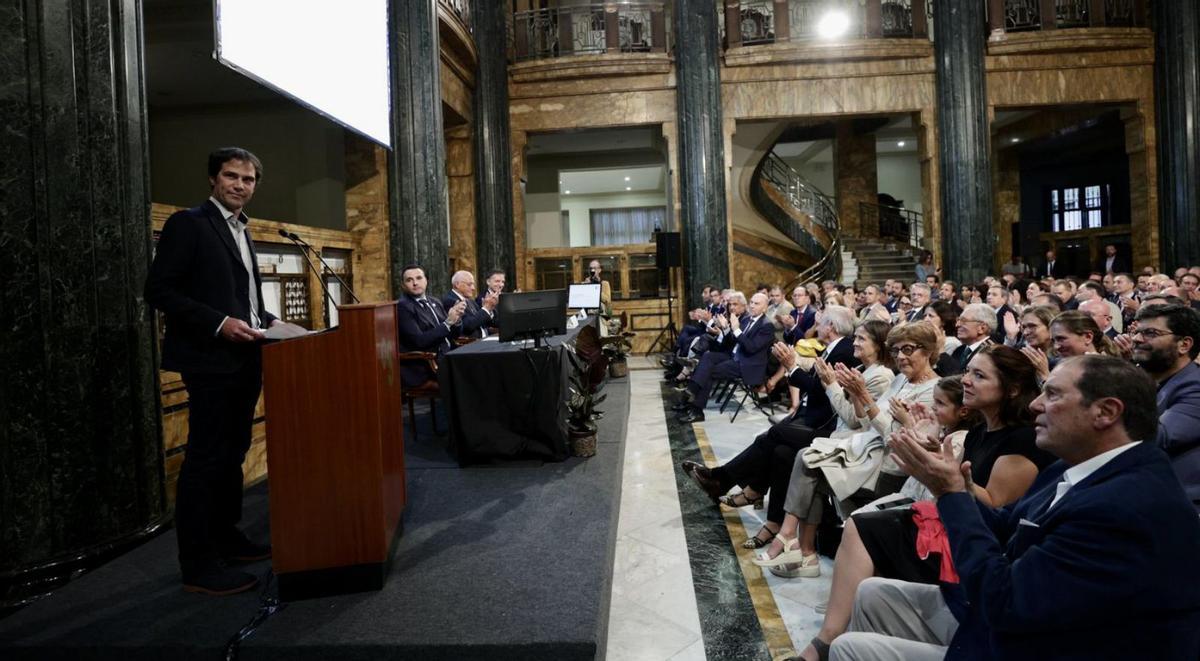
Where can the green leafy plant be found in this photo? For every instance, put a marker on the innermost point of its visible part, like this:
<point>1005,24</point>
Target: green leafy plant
<point>582,400</point>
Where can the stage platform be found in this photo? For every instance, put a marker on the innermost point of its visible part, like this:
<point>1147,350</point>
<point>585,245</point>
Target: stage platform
<point>504,561</point>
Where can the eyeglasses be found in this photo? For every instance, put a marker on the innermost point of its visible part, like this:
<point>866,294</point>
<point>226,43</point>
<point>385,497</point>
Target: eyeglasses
<point>907,350</point>
<point>1150,333</point>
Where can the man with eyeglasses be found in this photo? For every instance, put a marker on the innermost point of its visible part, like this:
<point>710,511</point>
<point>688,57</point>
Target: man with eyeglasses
<point>974,329</point>
<point>1165,345</point>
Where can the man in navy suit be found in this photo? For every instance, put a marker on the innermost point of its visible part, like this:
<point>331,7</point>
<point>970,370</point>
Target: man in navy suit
<point>205,280</point>
<point>1096,561</point>
<point>803,316</point>
<point>423,325</point>
<point>748,340</point>
<point>477,317</point>
<point>1166,344</point>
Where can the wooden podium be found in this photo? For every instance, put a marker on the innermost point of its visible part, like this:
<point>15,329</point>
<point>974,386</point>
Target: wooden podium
<point>335,454</point>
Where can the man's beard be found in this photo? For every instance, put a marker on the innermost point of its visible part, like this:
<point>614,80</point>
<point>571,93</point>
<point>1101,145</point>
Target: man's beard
<point>1155,361</point>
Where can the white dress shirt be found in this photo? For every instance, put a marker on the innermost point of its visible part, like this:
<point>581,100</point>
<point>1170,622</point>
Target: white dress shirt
<point>237,228</point>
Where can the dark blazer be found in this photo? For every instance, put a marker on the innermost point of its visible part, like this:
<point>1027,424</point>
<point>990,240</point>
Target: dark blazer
<point>818,412</point>
<point>474,317</point>
<point>962,355</point>
<point>1120,264</point>
<point>419,331</point>
<point>197,279</point>
<point>804,321</point>
<point>753,348</point>
<point>998,336</point>
<point>1046,271</point>
<point>1109,572</point>
<point>916,314</point>
<point>1179,427</point>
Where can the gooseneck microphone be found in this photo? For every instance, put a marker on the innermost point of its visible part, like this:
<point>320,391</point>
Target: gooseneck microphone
<point>291,236</point>
<point>304,250</point>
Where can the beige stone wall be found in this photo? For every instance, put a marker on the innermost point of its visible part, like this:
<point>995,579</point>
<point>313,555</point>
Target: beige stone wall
<point>460,179</point>
<point>749,270</point>
<point>856,176</point>
<point>367,218</point>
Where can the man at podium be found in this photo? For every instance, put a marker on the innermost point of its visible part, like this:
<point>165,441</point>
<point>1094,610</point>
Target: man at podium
<point>205,280</point>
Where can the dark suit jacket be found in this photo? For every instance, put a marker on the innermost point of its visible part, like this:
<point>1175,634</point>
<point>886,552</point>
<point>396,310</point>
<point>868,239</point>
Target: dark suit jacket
<point>804,321</point>
<point>753,348</point>
<point>818,412</point>
<point>474,317</point>
<point>998,336</point>
<point>958,354</point>
<point>1120,265</point>
<point>916,314</point>
<point>1179,427</point>
<point>1057,272</point>
<point>419,331</point>
<point>197,279</point>
<point>1109,572</point>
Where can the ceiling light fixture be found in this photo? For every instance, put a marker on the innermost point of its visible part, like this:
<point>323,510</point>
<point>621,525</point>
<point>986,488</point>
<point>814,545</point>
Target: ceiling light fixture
<point>626,178</point>
<point>833,24</point>
<point>628,188</point>
<point>566,192</point>
<point>1015,140</point>
<point>900,144</point>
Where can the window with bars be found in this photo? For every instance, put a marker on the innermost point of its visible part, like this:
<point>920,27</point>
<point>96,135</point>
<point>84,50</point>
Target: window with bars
<point>1079,207</point>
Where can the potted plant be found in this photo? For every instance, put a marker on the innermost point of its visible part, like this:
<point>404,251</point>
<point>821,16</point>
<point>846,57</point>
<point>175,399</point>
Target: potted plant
<point>582,414</point>
<point>616,348</point>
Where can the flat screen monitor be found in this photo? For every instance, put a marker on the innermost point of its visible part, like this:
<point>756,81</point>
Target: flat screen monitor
<point>331,57</point>
<point>583,296</point>
<point>532,314</point>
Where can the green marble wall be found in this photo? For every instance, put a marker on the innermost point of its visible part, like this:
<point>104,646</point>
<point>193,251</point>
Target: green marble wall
<point>1177,94</point>
<point>80,457</point>
<point>494,234</point>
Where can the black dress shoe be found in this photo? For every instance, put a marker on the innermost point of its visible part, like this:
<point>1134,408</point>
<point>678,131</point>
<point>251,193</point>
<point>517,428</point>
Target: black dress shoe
<point>692,415</point>
<point>703,477</point>
<point>680,406</point>
<point>219,582</point>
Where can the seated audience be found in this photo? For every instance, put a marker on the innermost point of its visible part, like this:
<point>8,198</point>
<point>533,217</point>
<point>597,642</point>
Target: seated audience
<point>1090,564</point>
<point>766,465</point>
<point>1166,343</point>
<point>748,340</point>
<point>477,317</point>
<point>1035,341</point>
<point>1074,333</point>
<point>857,469</point>
<point>423,325</point>
<point>944,318</point>
<point>974,330</point>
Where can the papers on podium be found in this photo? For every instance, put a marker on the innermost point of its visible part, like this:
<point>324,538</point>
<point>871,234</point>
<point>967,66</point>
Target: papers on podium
<point>285,331</point>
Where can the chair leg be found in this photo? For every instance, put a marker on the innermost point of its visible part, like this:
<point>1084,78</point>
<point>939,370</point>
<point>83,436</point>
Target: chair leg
<point>728,395</point>
<point>741,403</point>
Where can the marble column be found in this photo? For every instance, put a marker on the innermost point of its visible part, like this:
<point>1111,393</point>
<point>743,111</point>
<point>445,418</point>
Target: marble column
<point>418,215</point>
<point>856,179</point>
<point>494,238</point>
<point>964,145</point>
<point>701,147</point>
<point>1177,89</point>
<point>80,452</point>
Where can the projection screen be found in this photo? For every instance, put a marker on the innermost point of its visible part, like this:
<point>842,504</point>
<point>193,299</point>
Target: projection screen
<point>331,57</point>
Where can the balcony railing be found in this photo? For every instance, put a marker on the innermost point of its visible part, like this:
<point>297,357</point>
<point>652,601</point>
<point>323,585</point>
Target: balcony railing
<point>592,28</point>
<point>461,9</point>
<point>1028,15</point>
<point>890,222</point>
<point>768,21</point>
<point>802,212</point>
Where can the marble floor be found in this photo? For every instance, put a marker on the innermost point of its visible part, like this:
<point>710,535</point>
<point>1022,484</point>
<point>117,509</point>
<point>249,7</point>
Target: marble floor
<point>682,586</point>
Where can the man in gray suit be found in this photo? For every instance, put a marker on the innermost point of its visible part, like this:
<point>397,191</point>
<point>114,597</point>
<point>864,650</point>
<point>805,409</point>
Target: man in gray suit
<point>1165,345</point>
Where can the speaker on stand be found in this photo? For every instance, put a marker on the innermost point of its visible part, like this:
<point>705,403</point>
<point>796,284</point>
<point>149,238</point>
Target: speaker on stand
<point>667,256</point>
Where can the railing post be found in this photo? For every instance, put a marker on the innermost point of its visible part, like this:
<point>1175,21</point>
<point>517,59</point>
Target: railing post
<point>658,30</point>
<point>733,23</point>
<point>1049,14</point>
<point>520,36</point>
<point>920,22</point>
<point>874,26</point>
<point>1096,16</point>
<point>566,32</point>
<point>782,18</point>
<point>612,29</point>
<point>995,14</point>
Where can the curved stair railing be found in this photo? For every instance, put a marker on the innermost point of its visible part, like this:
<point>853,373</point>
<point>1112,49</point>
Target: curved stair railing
<point>802,212</point>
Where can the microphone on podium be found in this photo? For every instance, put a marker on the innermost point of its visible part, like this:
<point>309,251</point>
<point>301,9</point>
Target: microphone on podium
<point>291,236</point>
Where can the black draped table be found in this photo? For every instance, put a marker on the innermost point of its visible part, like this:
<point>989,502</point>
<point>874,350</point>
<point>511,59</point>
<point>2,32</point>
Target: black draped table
<point>506,401</point>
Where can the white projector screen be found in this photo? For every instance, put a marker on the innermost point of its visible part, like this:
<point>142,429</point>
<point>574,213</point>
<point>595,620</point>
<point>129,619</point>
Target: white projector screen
<point>331,57</point>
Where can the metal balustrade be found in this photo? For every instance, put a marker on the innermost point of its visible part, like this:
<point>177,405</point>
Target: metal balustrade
<point>626,27</point>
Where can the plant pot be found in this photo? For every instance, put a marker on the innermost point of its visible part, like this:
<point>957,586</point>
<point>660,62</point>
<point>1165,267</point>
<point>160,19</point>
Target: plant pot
<point>583,444</point>
<point>618,369</point>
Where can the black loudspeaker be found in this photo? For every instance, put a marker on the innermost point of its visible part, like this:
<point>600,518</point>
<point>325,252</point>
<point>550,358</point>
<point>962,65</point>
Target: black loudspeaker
<point>668,250</point>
